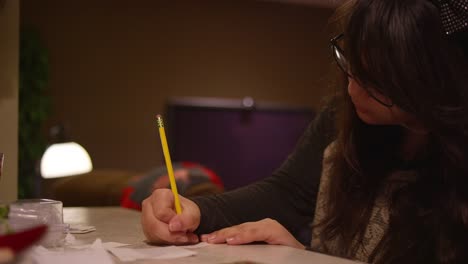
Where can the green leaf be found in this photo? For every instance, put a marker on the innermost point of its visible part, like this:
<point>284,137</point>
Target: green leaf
<point>4,210</point>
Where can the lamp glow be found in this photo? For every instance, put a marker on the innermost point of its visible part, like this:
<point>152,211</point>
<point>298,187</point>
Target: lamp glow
<point>65,159</point>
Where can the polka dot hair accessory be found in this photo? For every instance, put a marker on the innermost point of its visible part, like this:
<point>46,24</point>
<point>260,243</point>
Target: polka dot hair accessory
<point>454,15</point>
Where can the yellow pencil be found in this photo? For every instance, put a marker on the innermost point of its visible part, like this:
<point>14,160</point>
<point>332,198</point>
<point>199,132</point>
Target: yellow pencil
<point>167,157</point>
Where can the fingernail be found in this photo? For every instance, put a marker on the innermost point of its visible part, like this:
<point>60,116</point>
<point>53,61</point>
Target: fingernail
<point>229,239</point>
<point>175,226</point>
<point>183,239</point>
<point>211,237</point>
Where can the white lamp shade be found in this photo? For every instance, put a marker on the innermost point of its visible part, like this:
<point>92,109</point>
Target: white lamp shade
<point>65,159</point>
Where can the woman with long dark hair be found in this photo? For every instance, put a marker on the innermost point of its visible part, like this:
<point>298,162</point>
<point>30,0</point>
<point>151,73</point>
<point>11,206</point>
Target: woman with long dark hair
<point>389,182</point>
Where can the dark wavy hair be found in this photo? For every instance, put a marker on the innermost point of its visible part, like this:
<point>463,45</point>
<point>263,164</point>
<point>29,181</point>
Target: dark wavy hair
<point>400,48</point>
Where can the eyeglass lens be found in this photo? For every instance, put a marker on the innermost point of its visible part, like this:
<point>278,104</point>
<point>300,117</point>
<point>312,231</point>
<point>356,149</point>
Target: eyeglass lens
<point>341,60</point>
<point>343,64</point>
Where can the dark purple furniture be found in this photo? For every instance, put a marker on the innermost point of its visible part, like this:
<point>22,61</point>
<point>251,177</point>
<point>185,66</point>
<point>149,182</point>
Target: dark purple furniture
<point>240,139</point>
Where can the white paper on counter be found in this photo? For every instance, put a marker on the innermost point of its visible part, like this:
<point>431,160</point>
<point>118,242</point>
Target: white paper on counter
<point>168,252</point>
<point>94,254</point>
<point>198,245</point>
<point>97,253</point>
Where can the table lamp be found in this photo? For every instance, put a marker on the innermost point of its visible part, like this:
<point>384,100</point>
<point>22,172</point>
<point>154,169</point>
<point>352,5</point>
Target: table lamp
<point>64,158</point>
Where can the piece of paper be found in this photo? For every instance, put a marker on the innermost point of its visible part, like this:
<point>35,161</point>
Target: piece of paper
<point>106,245</point>
<point>199,245</point>
<point>169,252</point>
<point>126,254</point>
<point>94,254</point>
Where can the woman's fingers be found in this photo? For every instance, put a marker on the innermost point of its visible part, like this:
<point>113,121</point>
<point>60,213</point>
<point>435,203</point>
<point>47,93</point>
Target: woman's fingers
<point>246,232</point>
<point>246,236</point>
<point>162,235</point>
<point>161,224</point>
<point>157,231</point>
<point>267,230</point>
<point>189,220</point>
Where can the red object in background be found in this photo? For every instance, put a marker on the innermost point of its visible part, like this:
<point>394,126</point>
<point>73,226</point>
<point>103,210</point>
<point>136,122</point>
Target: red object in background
<point>127,201</point>
<point>21,240</point>
<point>213,176</point>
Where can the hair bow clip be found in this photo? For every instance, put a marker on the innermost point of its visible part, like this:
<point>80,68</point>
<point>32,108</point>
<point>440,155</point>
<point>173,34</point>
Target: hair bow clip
<point>454,15</point>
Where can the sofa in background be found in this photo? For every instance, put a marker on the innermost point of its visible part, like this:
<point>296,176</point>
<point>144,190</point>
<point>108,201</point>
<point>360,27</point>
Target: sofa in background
<point>96,188</point>
<point>111,188</point>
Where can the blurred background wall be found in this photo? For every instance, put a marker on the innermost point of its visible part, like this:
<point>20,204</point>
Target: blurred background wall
<point>113,63</point>
<point>9,46</point>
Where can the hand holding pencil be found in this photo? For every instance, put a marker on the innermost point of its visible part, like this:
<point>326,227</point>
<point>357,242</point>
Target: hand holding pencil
<point>167,217</point>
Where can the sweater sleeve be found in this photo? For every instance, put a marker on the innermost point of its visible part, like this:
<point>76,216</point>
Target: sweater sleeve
<point>288,195</point>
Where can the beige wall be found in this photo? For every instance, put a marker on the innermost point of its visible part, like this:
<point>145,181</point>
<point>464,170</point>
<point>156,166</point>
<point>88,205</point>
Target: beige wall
<point>115,62</point>
<point>9,41</point>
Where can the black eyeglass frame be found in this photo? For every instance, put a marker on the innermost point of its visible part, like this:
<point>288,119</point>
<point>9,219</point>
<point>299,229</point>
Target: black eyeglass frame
<point>338,51</point>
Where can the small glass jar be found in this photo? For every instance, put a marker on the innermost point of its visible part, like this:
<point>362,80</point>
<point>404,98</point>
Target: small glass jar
<point>28,213</point>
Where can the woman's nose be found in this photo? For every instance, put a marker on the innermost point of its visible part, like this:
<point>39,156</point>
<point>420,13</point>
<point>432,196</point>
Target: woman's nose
<point>353,87</point>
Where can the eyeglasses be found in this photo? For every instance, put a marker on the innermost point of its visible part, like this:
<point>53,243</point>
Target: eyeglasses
<point>342,62</point>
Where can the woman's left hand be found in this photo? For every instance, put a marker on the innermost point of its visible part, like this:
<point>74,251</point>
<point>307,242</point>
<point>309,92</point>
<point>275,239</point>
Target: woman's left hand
<point>266,230</point>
